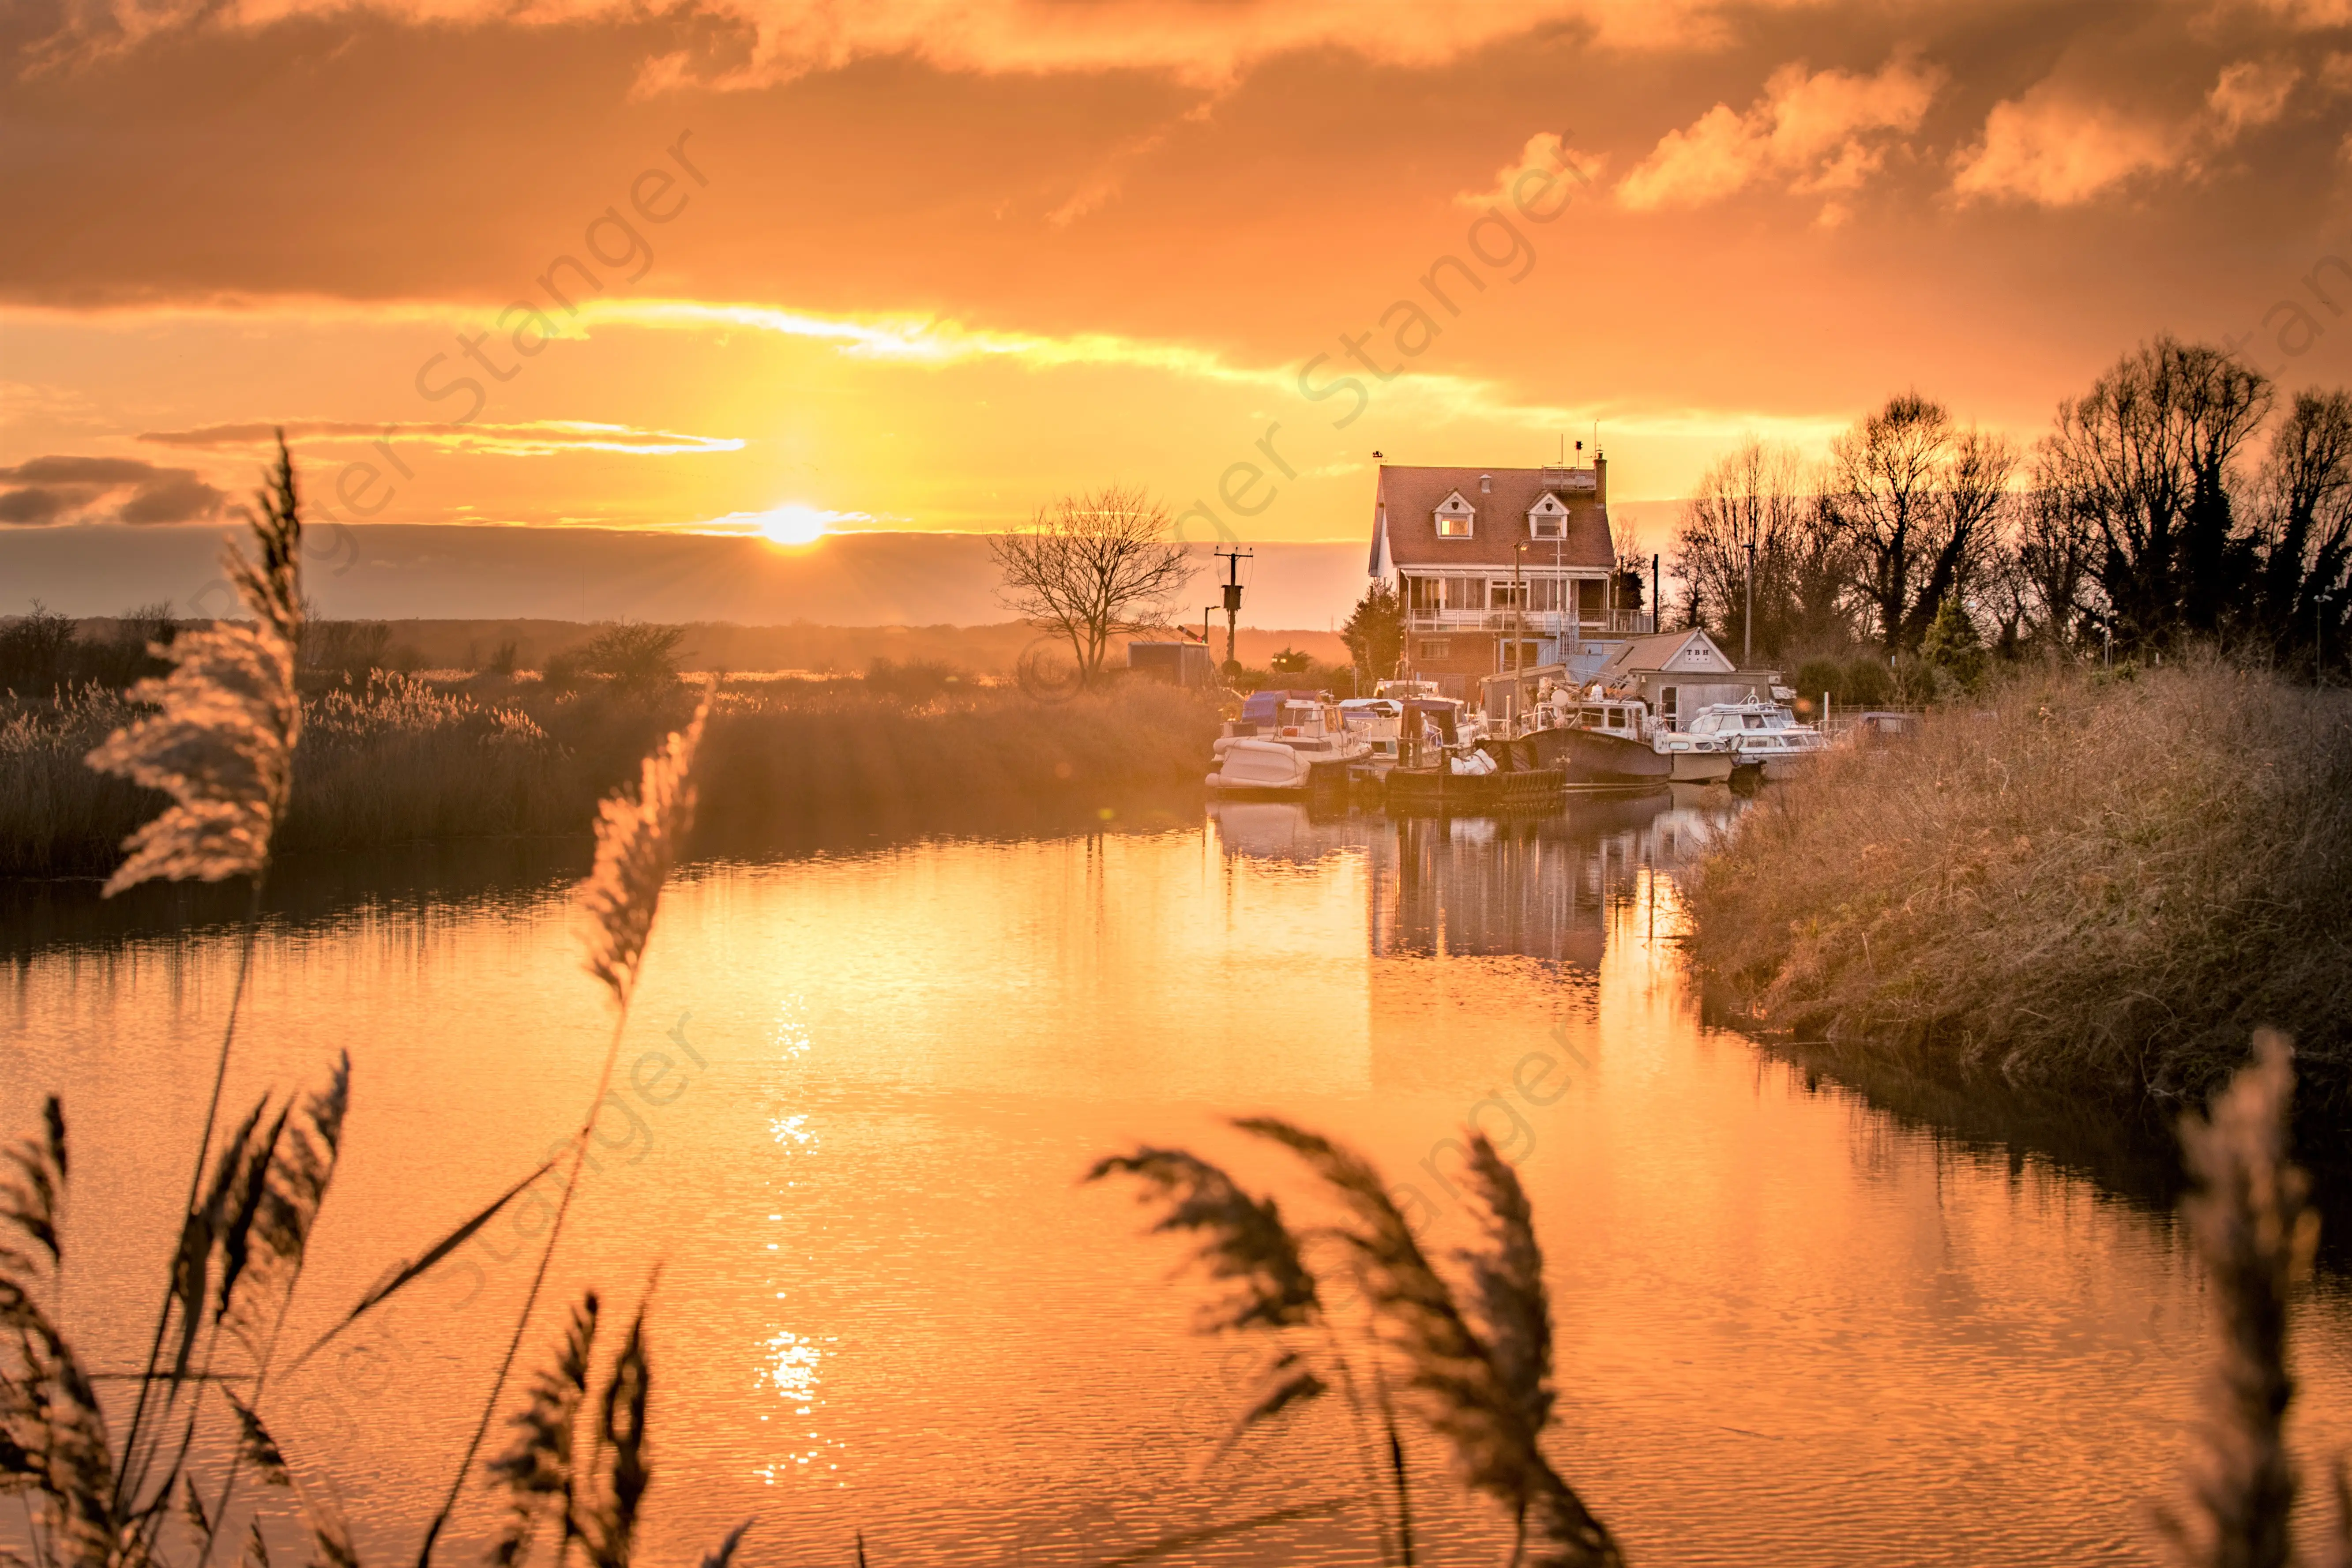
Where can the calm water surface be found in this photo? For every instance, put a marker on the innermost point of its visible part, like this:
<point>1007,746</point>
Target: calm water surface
<point>859,1089</point>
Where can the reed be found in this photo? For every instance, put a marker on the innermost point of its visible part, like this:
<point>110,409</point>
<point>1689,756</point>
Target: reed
<point>219,742</point>
<point>2101,885</point>
<point>2255,1233</point>
<point>1474,1360</point>
<point>399,759</point>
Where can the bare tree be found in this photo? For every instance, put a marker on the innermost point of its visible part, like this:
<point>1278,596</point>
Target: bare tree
<point>1755,497</point>
<point>1092,566</point>
<point>1917,500</point>
<point>2037,583</point>
<point>2304,523</point>
<point>2147,460</point>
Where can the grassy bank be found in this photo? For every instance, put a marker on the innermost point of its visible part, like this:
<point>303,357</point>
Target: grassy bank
<point>404,761</point>
<point>2096,885</point>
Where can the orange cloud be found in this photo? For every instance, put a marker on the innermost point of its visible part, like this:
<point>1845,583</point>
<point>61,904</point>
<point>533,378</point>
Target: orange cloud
<point>1817,133</point>
<point>539,438</point>
<point>1544,159</point>
<point>2055,148</point>
<point>1201,41</point>
<point>114,489</point>
<point>2251,93</point>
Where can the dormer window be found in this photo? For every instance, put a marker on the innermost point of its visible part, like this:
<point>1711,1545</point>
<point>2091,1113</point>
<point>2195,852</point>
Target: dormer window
<point>1454,518</point>
<point>1548,519</point>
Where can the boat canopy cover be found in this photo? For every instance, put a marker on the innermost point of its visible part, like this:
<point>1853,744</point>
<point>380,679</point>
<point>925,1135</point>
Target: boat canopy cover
<point>1265,707</point>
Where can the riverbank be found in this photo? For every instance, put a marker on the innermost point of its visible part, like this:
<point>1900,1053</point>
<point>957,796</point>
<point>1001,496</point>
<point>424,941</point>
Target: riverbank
<point>2099,886</point>
<point>406,761</point>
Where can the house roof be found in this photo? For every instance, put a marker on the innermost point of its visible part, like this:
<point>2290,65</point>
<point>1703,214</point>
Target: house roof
<point>1688,652</point>
<point>1407,501</point>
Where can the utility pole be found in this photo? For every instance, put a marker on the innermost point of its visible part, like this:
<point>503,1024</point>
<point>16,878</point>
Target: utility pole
<point>1748,621</point>
<point>1658,610</point>
<point>1232,559</point>
<point>1518,625</point>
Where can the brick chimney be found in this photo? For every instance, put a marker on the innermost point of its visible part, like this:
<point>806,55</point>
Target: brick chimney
<point>1600,478</point>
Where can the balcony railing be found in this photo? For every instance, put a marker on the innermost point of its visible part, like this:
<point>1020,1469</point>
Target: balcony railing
<point>1531,623</point>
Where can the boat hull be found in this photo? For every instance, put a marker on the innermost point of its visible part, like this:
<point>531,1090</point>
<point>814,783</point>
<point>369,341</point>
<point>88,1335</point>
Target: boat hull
<point>1270,768</point>
<point>1442,791</point>
<point>1588,757</point>
<point>1700,767</point>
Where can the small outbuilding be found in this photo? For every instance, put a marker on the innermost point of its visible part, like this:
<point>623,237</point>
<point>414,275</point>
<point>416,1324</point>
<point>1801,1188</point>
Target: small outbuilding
<point>1175,663</point>
<point>1678,673</point>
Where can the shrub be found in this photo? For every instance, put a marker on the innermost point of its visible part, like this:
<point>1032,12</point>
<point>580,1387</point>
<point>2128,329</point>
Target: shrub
<point>635,654</point>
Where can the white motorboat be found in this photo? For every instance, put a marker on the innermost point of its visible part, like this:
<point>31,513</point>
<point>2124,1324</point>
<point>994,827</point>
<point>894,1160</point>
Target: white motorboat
<point>1761,734</point>
<point>1284,741</point>
<point>1694,758</point>
<point>1378,722</point>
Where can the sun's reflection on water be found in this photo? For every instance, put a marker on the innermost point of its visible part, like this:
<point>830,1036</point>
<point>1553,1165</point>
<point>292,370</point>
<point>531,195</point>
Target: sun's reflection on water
<point>792,1363</point>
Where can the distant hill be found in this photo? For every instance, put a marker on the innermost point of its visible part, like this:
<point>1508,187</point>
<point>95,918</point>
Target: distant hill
<point>410,572</point>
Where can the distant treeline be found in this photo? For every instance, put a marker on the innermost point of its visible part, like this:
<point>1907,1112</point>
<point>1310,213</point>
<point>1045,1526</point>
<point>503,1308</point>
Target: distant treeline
<point>40,650</point>
<point>2182,499</point>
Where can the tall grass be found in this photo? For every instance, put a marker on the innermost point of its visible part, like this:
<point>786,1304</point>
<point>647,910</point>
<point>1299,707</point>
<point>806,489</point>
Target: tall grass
<point>2101,885</point>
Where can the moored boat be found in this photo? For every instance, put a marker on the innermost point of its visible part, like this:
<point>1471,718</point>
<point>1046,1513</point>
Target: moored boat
<point>1762,735</point>
<point>1445,770</point>
<point>1285,742</point>
<point>1600,743</point>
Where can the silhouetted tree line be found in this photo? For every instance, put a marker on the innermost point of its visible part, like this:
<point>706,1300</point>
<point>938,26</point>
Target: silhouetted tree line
<point>42,650</point>
<point>2166,505</point>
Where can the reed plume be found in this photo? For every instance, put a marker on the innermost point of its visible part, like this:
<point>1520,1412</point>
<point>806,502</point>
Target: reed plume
<point>636,842</point>
<point>220,744</point>
<point>1243,1240</point>
<point>53,1436</point>
<point>590,1473</point>
<point>220,741</point>
<point>1488,1395</point>
<point>2255,1232</point>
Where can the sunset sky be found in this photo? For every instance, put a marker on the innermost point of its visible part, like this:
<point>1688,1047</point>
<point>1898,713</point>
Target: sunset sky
<point>923,265</point>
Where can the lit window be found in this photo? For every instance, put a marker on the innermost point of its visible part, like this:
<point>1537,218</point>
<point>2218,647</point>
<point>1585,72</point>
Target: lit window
<point>1453,525</point>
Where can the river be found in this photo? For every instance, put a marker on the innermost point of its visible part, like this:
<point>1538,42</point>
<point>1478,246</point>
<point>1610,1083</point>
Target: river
<point>842,1161</point>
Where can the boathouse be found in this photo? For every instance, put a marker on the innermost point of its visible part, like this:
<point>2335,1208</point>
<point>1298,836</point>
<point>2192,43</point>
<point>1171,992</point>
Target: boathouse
<point>1678,673</point>
<point>1499,569</point>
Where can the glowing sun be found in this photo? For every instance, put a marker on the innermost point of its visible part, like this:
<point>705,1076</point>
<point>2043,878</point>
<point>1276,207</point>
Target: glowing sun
<point>794,525</point>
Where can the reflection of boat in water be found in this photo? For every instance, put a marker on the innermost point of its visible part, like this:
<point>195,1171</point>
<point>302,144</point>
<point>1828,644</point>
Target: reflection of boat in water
<point>1284,743</point>
<point>1763,735</point>
<point>1270,829</point>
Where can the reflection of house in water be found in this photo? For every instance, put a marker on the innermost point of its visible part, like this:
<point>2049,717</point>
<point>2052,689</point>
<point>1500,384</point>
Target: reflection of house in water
<point>1536,887</point>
